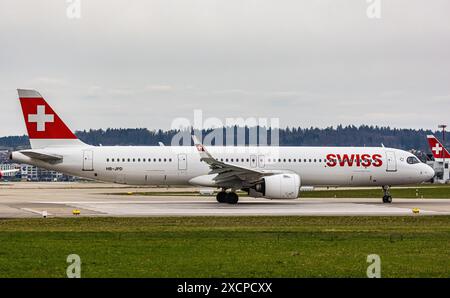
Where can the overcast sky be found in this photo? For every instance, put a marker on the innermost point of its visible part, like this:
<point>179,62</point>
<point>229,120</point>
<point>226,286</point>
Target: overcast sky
<point>310,63</point>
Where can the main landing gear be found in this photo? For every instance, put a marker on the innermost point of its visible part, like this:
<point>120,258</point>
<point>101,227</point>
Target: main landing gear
<point>227,197</point>
<point>387,198</point>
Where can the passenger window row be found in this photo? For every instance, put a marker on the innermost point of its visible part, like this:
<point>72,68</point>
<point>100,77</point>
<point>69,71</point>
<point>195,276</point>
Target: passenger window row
<point>139,160</point>
<point>284,160</point>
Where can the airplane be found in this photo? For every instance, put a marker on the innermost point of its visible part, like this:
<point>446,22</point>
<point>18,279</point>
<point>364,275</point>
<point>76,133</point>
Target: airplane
<point>3,172</point>
<point>269,172</point>
<point>436,147</point>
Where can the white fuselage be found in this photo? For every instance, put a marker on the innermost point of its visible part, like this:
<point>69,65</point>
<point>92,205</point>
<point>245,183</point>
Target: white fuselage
<point>316,166</point>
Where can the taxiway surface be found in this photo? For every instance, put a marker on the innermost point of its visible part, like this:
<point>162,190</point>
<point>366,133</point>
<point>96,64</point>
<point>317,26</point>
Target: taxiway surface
<point>95,199</point>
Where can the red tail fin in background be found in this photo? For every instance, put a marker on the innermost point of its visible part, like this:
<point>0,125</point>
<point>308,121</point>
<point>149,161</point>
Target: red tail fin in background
<point>438,150</point>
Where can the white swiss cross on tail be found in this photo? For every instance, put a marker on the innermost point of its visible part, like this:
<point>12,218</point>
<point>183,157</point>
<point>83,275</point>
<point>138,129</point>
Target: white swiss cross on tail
<point>40,118</point>
<point>437,148</point>
<point>45,128</point>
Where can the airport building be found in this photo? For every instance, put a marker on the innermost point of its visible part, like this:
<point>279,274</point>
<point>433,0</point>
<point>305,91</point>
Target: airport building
<point>441,169</point>
<point>6,167</point>
<point>33,173</point>
<point>30,173</point>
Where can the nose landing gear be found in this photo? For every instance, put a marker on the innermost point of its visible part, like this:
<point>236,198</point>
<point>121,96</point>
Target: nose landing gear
<point>227,197</point>
<point>387,198</point>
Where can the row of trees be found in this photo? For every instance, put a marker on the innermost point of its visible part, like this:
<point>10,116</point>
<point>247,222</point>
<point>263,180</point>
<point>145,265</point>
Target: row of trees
<point>331,136</point>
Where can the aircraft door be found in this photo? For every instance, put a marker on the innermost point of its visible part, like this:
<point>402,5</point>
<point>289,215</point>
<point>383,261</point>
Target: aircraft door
<point>88,160</point>
<point>361,178</point>
<point>391,161</point>
<point>182,162</point>
<point>155,177</point>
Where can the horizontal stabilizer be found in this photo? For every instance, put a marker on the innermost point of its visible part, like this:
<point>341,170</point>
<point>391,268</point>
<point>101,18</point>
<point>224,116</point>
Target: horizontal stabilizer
<point>44,156</point>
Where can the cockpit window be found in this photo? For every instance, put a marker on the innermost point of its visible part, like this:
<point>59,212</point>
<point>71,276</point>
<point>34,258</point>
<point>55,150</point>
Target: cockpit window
<point>412,160</point>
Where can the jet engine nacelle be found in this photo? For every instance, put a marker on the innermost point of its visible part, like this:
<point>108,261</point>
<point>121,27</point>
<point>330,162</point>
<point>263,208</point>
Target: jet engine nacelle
<point>279,186</point>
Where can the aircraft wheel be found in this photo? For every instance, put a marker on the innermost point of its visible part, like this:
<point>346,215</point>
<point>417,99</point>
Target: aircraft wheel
<point>232,198</point>
<point>221,197</point>
<point>387,199</point>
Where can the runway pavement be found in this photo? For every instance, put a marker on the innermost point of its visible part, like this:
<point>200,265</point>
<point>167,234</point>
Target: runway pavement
<point>20,200</point>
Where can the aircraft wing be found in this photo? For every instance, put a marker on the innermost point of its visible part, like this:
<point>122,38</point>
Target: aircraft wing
<point>229,175</point>
<point>42,155</point>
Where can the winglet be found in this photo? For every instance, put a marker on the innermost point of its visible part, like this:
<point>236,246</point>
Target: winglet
<point>204,154</point>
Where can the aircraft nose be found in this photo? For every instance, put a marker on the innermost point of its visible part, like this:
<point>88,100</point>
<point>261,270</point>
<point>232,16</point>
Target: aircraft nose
<point>429,172</point>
